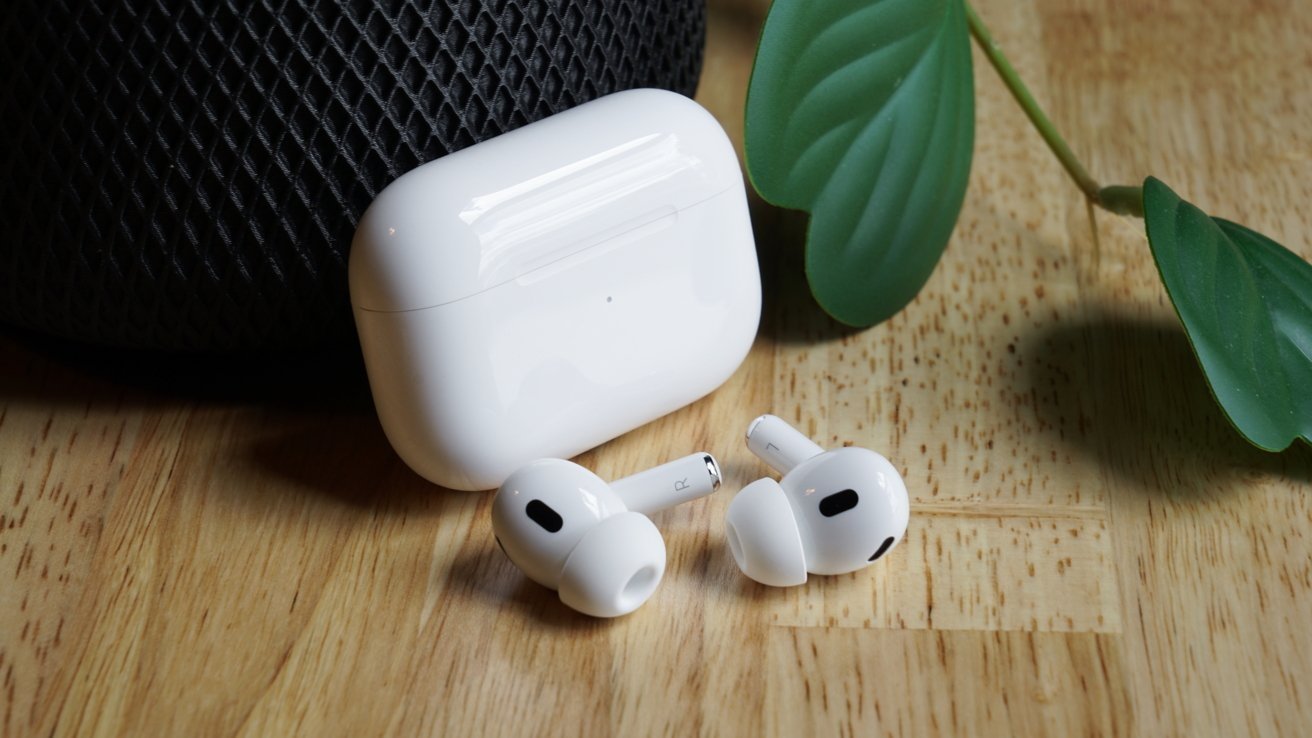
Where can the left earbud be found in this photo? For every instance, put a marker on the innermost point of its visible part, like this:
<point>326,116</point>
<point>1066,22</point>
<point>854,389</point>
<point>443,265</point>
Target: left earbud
<point>568,530</point>
<point>833,512</point>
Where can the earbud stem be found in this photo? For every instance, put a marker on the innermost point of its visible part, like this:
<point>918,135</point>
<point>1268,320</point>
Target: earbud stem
<point>779,444</point>
<point>669,484</point>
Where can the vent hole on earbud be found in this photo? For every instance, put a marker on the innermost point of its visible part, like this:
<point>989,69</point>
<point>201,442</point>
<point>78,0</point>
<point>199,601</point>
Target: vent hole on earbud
<point>542,514</point>
<point>887,544</point>
<point>838,502</point>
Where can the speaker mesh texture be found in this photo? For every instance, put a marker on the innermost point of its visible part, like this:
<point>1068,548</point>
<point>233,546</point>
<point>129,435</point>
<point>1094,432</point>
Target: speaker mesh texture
<point>188,175</point>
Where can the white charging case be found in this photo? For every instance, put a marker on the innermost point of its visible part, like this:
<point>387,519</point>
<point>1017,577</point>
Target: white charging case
<point>547,290</point>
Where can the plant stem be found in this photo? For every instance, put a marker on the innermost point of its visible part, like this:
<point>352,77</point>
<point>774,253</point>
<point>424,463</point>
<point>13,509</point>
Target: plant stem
<point>1122,199</point>
<point>1126,200</point>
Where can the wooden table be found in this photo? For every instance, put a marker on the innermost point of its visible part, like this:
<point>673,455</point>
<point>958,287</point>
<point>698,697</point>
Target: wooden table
<point>1092,550</point>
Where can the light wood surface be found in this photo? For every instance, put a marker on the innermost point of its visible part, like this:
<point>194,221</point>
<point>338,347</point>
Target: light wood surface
<point>1092,549</point>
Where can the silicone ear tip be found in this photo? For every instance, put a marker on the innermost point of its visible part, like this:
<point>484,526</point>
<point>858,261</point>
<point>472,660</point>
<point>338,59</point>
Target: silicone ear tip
<point>615,567</point>
<point>764,537</point>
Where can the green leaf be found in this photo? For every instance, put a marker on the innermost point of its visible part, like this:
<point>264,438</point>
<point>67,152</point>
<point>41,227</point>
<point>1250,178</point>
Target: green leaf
<point>862,113</point>
<point>1246,305</point>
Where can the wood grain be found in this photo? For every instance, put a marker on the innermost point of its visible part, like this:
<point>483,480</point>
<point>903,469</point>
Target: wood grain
<point>1092,550</point>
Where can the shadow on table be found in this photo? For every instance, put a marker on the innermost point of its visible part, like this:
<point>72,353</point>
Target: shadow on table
<point>304,417</point>
<point>1129,393</point>
<point>719,573</point>
<point>343,456</point>
<point>481,573</point>
<point>789,314</point>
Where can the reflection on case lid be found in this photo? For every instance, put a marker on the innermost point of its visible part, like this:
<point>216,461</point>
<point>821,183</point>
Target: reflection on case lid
<point>499,210</point>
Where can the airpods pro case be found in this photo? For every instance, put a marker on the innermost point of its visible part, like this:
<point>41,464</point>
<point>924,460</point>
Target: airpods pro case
<point>547,290</point>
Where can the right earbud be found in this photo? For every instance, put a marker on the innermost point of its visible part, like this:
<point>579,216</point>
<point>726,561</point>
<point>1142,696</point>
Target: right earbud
<point>833,512</point>
<point>592,542</point>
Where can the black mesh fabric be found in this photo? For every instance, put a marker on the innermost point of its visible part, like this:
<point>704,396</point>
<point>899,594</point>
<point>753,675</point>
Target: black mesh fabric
<point>187,175</point>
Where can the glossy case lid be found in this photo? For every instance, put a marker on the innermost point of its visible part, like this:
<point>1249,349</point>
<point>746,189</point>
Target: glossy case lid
<point>483,216</point>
